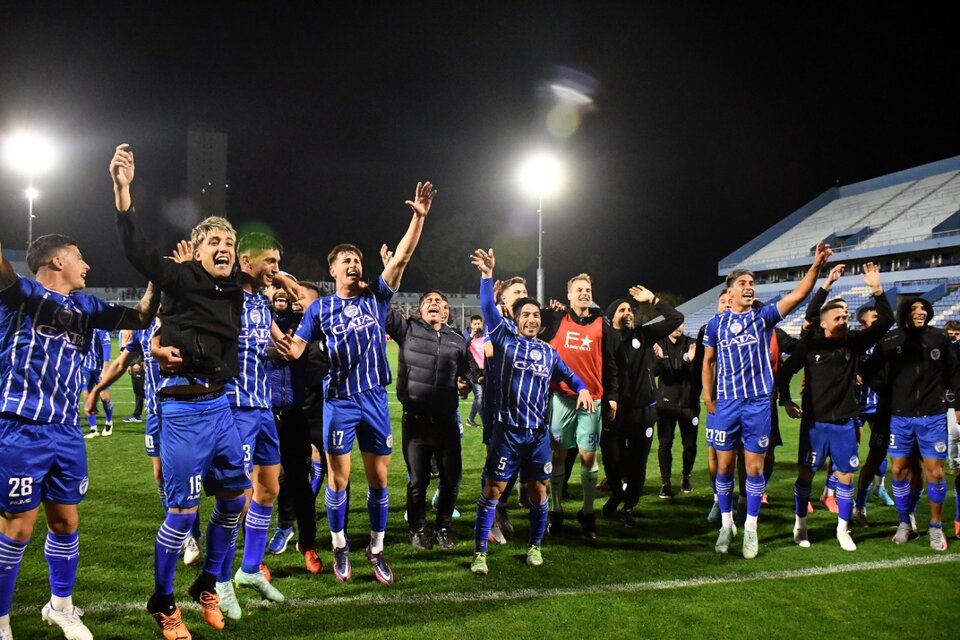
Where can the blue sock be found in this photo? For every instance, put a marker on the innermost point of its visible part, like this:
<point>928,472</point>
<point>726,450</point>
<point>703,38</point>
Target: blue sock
<point>901,496</point>
<point>882,469</point>
<point>63,556</point>
<point>92,421</point>
<point>11,553</point>
<point>831,479</point>
<point>378,506</point>
<point>844,500</point>
<point>538,522</point>
<point>336,509</point>
<point>486,509</point>
<point>316,480</point>
<point>226,568</point>
<point>166,550</point>
<point>221,529</point>
<point>108,410</point>
<point>255,536</point>
<point>755,487</point>
<point>724,488</point>
<point>801,497</point>
<point>937,492</point>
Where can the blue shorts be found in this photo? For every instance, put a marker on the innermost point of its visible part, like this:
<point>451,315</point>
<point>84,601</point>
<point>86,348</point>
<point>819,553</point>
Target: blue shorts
<point>745,422</point>
<point>822,440</point>
<point>929,432</point>
<point>258,433</point>
<point>516,448</point>
<point>200,447</point>
<point>151,435</point>
<point>91,377</point>
<point>708,431</point>
<point>40,462</point>
<point>363,416</point>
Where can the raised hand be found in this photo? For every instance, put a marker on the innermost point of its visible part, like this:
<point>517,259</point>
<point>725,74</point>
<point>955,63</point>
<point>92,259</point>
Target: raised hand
<point>122,167</point>
<point>183,252</point>
<point>484,261</point>
<point>557,306</point>
<point>822,255</point>
<point>642,294</point>
<point>423,199</point>
<point>385,254</point>
<point>871,277</point>
<point>834,275</point>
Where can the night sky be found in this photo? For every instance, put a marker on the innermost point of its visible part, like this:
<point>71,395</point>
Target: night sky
<point>711,122</point>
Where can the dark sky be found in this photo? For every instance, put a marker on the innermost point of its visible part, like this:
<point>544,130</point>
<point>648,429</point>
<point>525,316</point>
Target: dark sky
<point>712,121</point>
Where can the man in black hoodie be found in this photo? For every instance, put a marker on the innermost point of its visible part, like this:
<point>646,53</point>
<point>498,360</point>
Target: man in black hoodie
<point>923,374</point>
<point>678,402</point>
<point>629,419</point>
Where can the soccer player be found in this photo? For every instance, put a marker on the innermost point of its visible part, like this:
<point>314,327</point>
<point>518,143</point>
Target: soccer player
<point>94,362</point>
<point>830,359</point>
<point>524,367</point>
<point>46,327</point>
<point>924,375</point>
<point>678,403</point>
<point>352,323</point>
<point>585,343</point>
<point>200,447</point>
<point>736,363</point>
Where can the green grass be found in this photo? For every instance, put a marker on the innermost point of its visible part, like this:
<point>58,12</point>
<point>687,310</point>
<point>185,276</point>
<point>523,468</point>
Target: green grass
<point>583,590</point>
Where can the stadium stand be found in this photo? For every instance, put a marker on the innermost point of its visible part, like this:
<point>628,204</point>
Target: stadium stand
<point>908,222</point>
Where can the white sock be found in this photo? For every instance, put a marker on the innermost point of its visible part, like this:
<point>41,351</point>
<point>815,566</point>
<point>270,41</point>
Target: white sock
<point>830,493</point>
<point>726,519</point>
<point>61,604</point>
<point>715,498</point>
<point>800,523</point>
<point>750,524</point>
<point>339,540</point>
<point>376,541</point>
<point>5,621</point>
<point>841,525</point>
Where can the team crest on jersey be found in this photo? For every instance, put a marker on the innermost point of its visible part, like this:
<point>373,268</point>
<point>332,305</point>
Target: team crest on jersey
<point>854,462</point>
<point>763,441</point>
<point>635,343</point>
<point>63,316</point>
<point>940,446</point>
<point>351,311</point>
<point>548,468</point>
<point>255,316</point>
<point>736,327</point>
<point>536,356</point>
<point>84,484</point>
<point>934,354</point>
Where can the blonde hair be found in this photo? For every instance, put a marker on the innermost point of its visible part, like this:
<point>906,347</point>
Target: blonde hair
<point>200,232</point>
<point>582,276</point>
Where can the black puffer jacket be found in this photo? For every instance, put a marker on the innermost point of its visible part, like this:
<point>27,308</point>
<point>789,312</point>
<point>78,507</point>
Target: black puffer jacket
<point>923,371</point>
<point>428,366</point>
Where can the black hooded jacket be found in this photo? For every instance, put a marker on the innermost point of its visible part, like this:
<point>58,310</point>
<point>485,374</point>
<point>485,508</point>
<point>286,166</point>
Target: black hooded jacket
<point>922,373</point>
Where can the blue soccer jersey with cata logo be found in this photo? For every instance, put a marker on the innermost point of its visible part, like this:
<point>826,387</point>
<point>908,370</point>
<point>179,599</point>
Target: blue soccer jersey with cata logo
<point>523,368</point>
<point>744,378</point>
<point>44,336</point>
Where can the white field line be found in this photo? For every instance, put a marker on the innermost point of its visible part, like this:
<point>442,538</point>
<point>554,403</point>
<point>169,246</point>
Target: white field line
<point>522,594</point>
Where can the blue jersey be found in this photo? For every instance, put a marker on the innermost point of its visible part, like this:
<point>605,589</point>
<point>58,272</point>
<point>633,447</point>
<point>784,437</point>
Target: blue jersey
<point>99,351</point>
<point>353,330</point>
<point>140,343</point>
<point>742,343</point>
<point>522,368</point>
<point>44,336</point>
<point>250,389</point>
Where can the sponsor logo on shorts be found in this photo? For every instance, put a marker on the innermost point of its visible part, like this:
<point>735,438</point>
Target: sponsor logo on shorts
<point>86,483</point>
<point>548,468</point>
<point>854,461</point>
<point>764,441</point>
<point>934,354</point>
<point>940,446</point>
<point>649,432</point>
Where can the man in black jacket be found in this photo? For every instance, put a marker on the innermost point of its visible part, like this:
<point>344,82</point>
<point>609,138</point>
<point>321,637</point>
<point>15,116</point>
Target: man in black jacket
<point>678,402</point>
<point>830,358</point>
<point>432,370</point>
<point>924,375</point>
<point>629,418</point>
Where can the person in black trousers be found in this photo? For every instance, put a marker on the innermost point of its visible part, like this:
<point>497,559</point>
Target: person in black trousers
<point>678,402</point>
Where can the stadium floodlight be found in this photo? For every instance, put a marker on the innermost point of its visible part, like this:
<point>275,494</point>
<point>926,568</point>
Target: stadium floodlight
<point>29,154</point>
<point>541,175</point>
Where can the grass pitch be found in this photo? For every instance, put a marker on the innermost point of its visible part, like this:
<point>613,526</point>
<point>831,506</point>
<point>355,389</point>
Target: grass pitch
<point>660,580</point>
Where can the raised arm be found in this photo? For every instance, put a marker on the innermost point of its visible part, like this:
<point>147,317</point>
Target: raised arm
<point>656,331</point>
<point>790,301</point>
<point>885,318</point>
<point>140,316</point>
<point>485,262</point>
<point>820,295</point>
<point>421,203</point>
